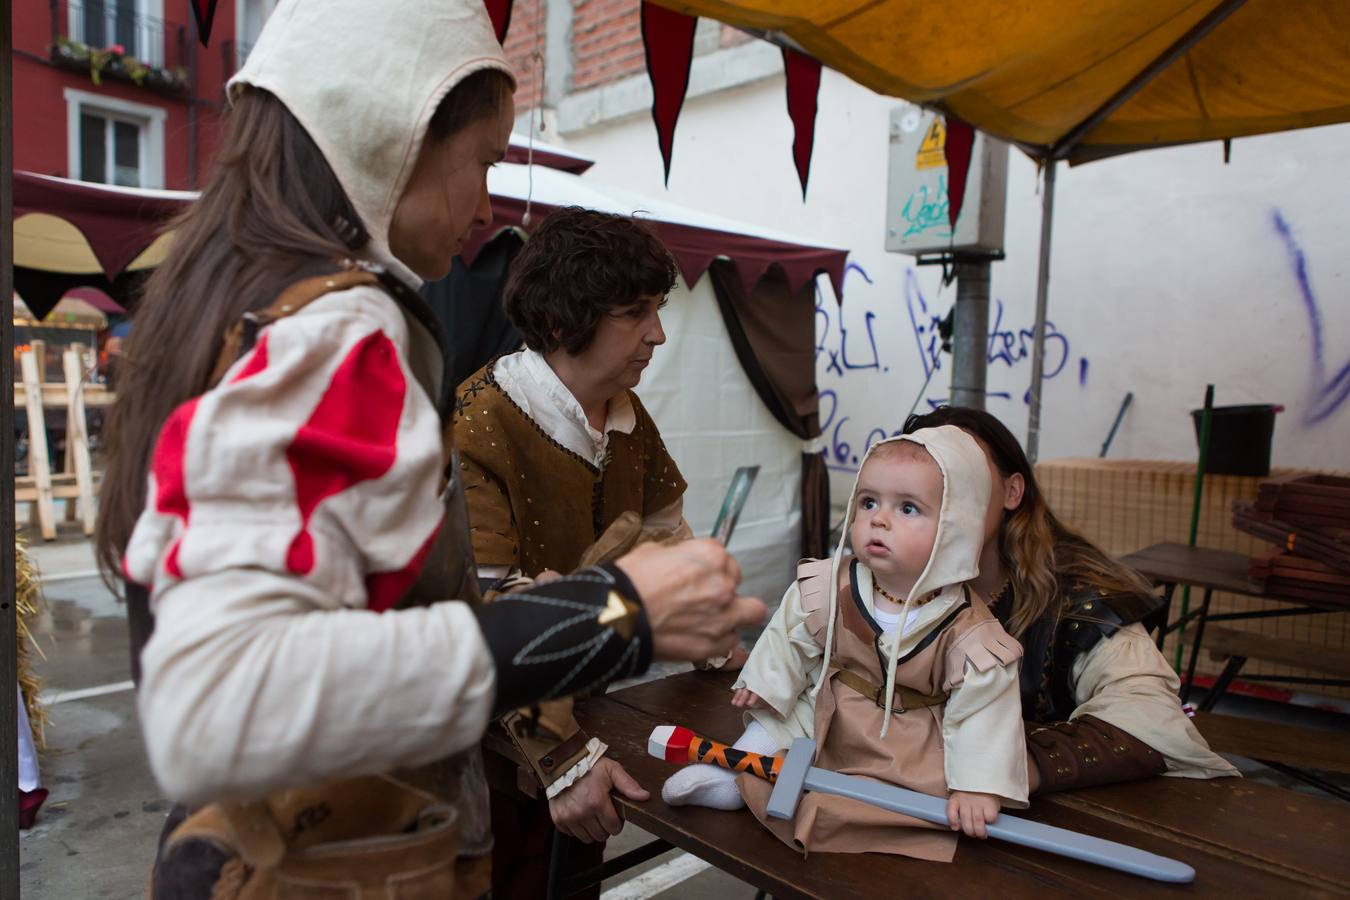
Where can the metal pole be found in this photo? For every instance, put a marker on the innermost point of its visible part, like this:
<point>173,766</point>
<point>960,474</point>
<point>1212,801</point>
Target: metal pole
<point>9,676</point>
<point>970,346</point>
<point>1206,424</point>
<point>1042,290</point>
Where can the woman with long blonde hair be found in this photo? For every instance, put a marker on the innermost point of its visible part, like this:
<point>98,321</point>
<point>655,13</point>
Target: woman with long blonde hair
<point>1098,696</point>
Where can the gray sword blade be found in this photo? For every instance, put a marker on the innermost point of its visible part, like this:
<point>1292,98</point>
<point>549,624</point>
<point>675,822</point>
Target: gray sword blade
<point>798,774</point>
<point>1062,841</point>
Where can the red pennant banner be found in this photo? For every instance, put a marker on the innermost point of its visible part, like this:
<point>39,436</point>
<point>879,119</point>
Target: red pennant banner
<point>960,141</point>
<point>500,13</point>
<point>204,11</point>
<point>668,38</point>
<point>803,87</point>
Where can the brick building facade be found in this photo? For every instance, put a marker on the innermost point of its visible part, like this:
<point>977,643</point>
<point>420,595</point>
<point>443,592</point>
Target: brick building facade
<point>121,91</point>
<point>572,54</point>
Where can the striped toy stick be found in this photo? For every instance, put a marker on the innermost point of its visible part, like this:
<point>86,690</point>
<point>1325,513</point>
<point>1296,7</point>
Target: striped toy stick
<point>680,745</point>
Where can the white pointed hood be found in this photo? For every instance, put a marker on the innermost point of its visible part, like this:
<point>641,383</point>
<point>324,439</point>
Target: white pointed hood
<point>364,77</point>
<point>956,549</point>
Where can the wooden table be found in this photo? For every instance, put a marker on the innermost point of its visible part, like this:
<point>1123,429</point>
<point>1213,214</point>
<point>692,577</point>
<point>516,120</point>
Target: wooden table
<point>1222,570</point>
<point>1243,839</point>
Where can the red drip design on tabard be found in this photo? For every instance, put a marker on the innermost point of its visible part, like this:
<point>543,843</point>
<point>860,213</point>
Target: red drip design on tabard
<point>384,589</point>
<point>171,497</point>
<point>351,437</point>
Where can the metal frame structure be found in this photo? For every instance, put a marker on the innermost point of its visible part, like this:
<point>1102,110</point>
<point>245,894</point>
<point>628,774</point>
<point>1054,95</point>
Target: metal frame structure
<point>9,676</point>
<point>1061,150</point>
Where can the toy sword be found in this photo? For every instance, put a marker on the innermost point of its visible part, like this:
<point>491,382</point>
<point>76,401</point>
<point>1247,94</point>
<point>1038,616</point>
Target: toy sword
<point>680,745</point>
<point>793,774</point>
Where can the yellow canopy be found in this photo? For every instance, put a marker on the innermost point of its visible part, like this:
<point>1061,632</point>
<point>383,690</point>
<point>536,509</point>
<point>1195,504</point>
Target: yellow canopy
<point>1081,79</point>
<point>51,244</point>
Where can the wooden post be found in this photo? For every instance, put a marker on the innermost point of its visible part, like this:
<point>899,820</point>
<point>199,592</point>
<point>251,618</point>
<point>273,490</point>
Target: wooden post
<point>9,676</point>
<point>39,464</point>
<point>77,435</point>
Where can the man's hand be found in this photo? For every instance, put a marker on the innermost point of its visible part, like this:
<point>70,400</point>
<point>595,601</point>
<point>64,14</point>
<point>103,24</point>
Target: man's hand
<point>585,811</point>
<point>746,699</point>
<point>970,812</point>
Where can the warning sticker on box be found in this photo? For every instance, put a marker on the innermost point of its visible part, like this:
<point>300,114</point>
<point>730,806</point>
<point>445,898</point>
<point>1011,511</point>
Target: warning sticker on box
<point>931,153</point>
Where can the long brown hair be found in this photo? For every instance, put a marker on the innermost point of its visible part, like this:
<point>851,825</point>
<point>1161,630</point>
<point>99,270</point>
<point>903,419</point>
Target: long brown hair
<point>1041,555</point>
<point>271,211</point>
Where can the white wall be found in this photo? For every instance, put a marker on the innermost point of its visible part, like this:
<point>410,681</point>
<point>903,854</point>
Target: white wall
<point>1169,271</point>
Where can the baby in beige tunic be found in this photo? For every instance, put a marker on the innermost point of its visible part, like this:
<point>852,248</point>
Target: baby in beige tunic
<point>890,662</point>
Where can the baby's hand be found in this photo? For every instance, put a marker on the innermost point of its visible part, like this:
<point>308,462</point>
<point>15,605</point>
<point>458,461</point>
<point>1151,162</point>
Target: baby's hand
<point>970,812</point>
<point>746,699</point>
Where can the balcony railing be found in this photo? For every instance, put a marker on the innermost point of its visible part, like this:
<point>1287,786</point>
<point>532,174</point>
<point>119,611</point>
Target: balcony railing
<point>109,38</point>
<point>154,42</point>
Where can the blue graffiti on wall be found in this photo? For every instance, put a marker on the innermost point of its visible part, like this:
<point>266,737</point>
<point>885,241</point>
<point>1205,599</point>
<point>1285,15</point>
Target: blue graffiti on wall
<point>1008,346</point>
<point>840,453</point>
<point>844,357</point>
<point>1326,394</point>
<point>836,347</point>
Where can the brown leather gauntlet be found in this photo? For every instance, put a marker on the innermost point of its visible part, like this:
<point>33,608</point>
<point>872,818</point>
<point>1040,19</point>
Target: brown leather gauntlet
<point>1088,752</point>
<point>548,738</point>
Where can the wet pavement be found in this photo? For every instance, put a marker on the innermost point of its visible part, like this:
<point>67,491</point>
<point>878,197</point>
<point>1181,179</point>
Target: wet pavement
<point>94,835</point>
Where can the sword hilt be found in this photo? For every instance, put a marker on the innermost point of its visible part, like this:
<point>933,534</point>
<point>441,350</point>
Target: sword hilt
<point>680,745</point>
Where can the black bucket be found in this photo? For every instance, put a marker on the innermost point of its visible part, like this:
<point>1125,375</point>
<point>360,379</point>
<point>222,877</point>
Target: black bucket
<point>1239,438</point>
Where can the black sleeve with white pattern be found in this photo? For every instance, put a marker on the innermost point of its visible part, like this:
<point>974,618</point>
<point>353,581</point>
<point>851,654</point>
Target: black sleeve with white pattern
<point>569,636</point>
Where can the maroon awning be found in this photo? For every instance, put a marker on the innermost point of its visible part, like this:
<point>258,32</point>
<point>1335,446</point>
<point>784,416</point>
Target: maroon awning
<point>118,223</point>
<point>565,162</point>
<point>98,300</point>
<point>695,248</point>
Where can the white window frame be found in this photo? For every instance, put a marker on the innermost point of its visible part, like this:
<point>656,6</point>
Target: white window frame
<point>150,118</point>
<point>149,8</point>
<point>269,6</point>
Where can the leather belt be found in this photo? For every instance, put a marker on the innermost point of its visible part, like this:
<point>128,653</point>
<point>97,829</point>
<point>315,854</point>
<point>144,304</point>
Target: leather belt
<point>905,698</point>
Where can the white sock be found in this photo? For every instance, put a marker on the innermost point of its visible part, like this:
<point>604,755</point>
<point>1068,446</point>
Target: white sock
<point>714,786</point>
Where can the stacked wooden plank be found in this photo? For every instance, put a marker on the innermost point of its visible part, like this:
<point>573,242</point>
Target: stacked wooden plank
<point>1307,518</point>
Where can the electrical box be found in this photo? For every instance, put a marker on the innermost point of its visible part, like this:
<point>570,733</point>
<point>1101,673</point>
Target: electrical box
<point>917,218</point>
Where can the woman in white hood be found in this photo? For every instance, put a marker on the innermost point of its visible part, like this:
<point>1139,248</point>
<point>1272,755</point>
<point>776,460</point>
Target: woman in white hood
<point>915,682</point>
<point>302,522</point>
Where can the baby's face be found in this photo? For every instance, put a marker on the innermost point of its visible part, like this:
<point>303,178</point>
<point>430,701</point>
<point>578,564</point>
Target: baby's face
<point>895,514</point>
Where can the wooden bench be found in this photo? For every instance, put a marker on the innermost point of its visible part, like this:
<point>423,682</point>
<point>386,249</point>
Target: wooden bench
<point>1285,748</point>
<point>1221,570</point>
<point>1271,742</point>
<point>1233,643</point>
